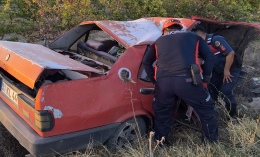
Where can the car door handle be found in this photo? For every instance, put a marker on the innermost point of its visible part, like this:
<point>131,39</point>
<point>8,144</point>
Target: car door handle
<point>147,91</point>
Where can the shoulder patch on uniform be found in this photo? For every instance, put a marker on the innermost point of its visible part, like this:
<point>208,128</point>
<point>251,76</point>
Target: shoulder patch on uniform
<point>217,43</point>
<point>223,49</point>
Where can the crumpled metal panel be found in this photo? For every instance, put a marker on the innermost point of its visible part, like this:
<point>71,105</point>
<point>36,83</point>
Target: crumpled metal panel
<point>253,24</point>
<point>26,61</point>
<point>141,31</point>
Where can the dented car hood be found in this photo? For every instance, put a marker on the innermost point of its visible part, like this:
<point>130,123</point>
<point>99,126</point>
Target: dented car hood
<point>27,61</point>
<point>138,32</point>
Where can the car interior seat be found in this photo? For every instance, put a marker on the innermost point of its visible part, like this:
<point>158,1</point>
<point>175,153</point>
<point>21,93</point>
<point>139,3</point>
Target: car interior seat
<point>99,49</point>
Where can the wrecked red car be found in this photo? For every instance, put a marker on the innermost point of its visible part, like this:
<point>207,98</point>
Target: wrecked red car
<point>85,86</point>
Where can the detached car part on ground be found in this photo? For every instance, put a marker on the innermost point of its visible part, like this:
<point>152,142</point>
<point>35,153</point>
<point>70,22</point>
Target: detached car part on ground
<point>85,86</point>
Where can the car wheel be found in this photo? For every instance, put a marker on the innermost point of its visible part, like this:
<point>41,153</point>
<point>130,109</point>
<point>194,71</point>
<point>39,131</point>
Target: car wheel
<point>127,133</point>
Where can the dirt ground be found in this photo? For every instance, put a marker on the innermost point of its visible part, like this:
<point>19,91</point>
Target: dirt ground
<point>9,146</point>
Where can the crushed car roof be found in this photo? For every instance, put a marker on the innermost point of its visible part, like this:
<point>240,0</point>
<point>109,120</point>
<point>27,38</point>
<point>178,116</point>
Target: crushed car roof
<point>137,32</point>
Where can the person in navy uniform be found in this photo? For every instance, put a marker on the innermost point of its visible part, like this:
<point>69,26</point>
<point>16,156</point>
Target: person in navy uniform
<point>174,52</point>
<point>225,73</point>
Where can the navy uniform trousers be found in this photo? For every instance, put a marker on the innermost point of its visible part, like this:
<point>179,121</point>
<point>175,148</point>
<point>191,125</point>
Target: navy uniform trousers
<point>167,90</point>
<point>224,90</point>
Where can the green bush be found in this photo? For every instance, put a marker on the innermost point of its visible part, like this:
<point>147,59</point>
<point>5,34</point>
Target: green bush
<point>127,9</point>
<point>49,17</point>
<point>224,10</point>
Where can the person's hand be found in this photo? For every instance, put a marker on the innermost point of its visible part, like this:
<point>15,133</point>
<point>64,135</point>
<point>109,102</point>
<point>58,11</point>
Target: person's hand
<point>227,76</point>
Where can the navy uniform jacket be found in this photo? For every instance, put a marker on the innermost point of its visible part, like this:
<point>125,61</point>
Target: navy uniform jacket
<point>175,53</point>
<point>218,44</point>
<point>221,48</point>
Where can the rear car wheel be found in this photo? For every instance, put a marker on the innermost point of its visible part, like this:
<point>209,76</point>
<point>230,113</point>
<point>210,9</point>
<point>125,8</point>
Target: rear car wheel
<point>127,133</point>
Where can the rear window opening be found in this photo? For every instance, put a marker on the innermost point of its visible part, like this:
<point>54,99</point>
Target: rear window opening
<point>101,47</point>
<point>96,49</point>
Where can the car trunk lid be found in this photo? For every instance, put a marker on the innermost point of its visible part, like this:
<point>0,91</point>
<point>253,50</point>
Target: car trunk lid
<point>27,61</point>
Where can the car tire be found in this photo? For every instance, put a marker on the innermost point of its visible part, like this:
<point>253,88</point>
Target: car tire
<point>126,133</point>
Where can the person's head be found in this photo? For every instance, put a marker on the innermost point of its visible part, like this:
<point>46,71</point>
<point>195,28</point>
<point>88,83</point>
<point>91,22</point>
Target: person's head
<point>200,31</point>
<point>171,25</point>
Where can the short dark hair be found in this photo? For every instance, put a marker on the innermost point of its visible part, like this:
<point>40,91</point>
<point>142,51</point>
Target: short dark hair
<point>199,28</point>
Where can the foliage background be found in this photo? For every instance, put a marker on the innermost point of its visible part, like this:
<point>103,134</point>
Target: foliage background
<point>49,17</point>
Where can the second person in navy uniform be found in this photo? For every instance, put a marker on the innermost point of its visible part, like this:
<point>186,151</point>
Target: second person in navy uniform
<point>225,73</point>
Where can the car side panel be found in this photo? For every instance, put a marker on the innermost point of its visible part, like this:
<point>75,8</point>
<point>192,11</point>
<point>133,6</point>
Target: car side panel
<point>89,103</point>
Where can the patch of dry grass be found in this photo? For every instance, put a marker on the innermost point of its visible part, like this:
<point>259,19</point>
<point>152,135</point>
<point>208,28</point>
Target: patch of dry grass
<point>236,138</point>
